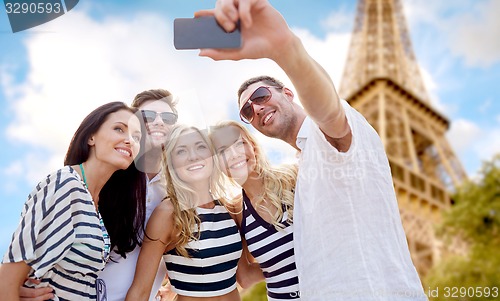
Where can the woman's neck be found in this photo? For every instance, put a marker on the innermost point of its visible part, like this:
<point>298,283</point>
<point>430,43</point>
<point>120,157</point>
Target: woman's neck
<point>96,176</point>
<point>254,187</point>
<point>205,198</point>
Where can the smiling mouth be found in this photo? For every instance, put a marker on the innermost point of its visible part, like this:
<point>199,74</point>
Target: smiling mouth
<point>266,118</point>
<point>238,164</point>
<point>124,152</point>
<point>195,167</point>
<point>158,134</point>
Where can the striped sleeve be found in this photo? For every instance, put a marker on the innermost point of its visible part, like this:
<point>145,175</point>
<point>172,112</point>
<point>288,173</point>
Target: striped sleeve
<point>45,233</point>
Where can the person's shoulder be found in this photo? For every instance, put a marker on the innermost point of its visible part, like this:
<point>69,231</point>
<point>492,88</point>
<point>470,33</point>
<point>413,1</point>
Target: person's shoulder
<point>57,179</point>
<point>66,172</point>
<point>161,224</point>
<point>235,205</point>
<point>165,208</point>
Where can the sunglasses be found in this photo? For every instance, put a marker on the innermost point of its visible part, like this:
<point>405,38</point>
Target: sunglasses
<point>260,96</point>
<point>166,117</point>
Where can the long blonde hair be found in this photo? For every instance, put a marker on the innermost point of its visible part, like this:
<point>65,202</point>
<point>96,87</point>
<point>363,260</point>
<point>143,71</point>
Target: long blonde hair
<point>184,198</point>
<point>279,181</point>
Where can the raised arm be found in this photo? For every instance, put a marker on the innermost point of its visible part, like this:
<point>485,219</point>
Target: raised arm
<point>159,233</point>
<point>266,34</point>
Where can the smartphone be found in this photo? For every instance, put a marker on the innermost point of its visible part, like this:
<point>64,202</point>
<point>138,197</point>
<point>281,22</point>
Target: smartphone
<point>203,32</point>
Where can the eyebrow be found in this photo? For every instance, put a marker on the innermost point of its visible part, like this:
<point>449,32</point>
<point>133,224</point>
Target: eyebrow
<point>126,125</point>
<point>122,123</point>
<point>196,143</point>
<point>226,146</point>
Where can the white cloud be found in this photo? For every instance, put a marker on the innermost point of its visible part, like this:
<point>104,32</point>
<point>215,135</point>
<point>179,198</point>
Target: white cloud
<point>470,28</point>
<point>474,142</point>
<point>77,63</point>
<point>435,13</point>
<point>476,34</point>
<point>462,134</point>
<point>489,145</point>
<point>339,20</point>
<point>432,91</point>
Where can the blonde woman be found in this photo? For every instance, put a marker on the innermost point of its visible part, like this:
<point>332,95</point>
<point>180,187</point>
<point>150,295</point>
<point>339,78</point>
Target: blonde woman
<point>191,228</point>
<point>266,221</point>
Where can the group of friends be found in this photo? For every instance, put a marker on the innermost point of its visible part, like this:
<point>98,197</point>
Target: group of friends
<point>141,196</point>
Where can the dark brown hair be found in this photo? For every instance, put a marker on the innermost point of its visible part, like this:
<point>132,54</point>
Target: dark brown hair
<point>268,80</point>
<point>155,94</point>
<point>122,200</point>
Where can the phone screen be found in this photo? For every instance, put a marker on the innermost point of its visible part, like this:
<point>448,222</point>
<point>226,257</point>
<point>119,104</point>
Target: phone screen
<point>203,32</point>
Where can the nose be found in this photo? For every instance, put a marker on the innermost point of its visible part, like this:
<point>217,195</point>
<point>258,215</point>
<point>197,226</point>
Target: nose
<point>232,152</point>
<point>193,154</point>
<point>129,140</point>
<point>258,109</point>
<point>158,120</point>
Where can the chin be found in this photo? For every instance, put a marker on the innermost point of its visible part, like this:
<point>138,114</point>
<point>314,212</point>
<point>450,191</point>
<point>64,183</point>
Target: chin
<point>239,177</point>
<point>124,165</point>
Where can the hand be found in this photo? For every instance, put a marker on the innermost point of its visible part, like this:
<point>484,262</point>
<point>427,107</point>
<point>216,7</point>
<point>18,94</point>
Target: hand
<point>35,294</point>
<point>265,32</point>
<point>165,294</point>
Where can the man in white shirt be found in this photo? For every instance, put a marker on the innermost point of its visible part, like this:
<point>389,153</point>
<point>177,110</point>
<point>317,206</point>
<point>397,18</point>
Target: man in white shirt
<point>349,240</point>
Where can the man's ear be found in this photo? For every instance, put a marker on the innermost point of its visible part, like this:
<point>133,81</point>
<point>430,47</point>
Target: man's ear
<point>91,141</point>
<point>288,93</point>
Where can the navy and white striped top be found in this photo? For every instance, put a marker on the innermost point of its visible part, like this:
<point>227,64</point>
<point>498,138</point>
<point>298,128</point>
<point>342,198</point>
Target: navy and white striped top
<point>60,237</point>
<point>211,269</point>
<point>273,250</point>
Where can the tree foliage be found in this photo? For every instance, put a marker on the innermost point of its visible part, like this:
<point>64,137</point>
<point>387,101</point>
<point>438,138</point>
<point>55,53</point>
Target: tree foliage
<point>475,219</point>
<point>257,292</point>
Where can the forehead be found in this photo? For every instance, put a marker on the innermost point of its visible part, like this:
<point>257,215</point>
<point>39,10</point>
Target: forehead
<point>126,117</point>
<point>189,137</point>
<point>156,105</point>
<point>226,136</point>
<point>248,91</point>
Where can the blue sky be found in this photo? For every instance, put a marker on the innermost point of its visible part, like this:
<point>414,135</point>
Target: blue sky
<point>53,75</point>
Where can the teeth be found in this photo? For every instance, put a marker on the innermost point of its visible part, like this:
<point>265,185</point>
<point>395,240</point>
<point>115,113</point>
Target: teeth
<point>268,117</point>
<point>122,151</point>
<point>239,164</point>
<point>158,134</point>
<point>196,167</point>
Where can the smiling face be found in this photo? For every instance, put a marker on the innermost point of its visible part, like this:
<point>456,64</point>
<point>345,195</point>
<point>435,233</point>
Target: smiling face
<point>117,141</point>
<point>191,157</point>
<point>274,117</point>
<point>157,130</point>
<point>235,152</point>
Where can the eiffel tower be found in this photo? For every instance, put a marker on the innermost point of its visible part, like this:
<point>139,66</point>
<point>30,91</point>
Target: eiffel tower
<point>382,81</point>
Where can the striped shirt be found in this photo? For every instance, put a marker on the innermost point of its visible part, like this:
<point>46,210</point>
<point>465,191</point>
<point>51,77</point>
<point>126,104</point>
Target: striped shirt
<point>211,269</point>
<point>273,250</point>
<point>60,237</point>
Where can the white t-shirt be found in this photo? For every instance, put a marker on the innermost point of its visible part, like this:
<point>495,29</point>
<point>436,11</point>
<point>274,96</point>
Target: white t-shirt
<point>349,240</point>
<point>119,275</point>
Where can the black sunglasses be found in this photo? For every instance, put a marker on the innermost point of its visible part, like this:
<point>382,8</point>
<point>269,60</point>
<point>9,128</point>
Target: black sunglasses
<point>260,96</point>
<point>166,117</point>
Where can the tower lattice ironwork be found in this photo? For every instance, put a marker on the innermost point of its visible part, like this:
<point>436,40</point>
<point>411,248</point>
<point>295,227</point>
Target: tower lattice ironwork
<point>382,80</point>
